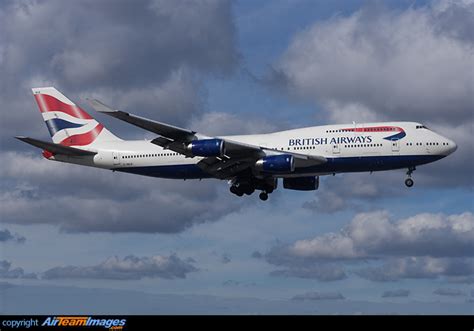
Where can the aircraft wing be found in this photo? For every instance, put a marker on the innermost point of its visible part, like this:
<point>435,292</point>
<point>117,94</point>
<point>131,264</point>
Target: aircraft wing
<point>172,137</point>
<point>159,128</point>
<point>55,148</point>
<point>238,156</point>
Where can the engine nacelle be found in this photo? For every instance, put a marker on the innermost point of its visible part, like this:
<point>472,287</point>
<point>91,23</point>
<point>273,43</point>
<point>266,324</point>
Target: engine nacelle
<point>301,183</point>
<point>276,164</point>
<point>207,147</point>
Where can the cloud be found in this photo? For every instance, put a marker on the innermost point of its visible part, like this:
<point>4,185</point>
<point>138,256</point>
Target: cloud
<point>128,268</point>
<point>6,235</point>
<point>396,293</point>
<point>127,43</point>
<point>115,202</point>
<point>7,272</point>
<point>333,195</point>
<point>215,123</point>
<point>449,292</point>
<point>373,234</point>
<point>316,296</point>
<point>175,100</point>
<point>391,62</point>
<point>342,112</point>
<point>257,255</point>
<point>149,56</point>
<point>418,267</point>
<point>460,173</point>
<point>327,202</point>
<point>421,246</point>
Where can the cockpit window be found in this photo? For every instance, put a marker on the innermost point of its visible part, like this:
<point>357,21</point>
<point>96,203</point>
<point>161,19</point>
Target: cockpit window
<point>421,127</point>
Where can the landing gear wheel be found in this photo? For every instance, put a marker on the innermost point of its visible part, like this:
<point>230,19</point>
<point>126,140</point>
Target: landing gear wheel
<point>235,190</point>
<point>263,196</point>
<point>409,182</point>
<point>249,191</point>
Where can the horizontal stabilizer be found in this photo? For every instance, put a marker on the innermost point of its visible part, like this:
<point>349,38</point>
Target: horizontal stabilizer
<point>55,148</point>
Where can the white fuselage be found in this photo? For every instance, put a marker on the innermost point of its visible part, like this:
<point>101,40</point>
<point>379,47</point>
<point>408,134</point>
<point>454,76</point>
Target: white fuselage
<point>348,148</point>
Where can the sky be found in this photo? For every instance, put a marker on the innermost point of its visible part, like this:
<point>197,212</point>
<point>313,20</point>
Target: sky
<point>362,243</point>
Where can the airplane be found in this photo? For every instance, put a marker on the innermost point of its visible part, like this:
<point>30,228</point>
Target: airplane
<point>249,163</point>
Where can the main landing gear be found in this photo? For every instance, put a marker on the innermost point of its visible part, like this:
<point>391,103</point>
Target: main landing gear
<point>240,191</point>
<point>409,182</point>
<point>235,190</point>
<point>249,185</point>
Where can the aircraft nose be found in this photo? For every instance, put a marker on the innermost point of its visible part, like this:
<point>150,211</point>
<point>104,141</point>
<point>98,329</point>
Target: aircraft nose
<point>452,146</point>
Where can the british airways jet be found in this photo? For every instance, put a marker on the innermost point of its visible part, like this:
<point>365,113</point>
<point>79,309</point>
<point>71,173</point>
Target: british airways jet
<point>248,162</point>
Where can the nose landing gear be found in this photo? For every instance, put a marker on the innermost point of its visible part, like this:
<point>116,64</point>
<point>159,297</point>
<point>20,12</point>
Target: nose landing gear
<point>409,182</point>
<point>263,196</point>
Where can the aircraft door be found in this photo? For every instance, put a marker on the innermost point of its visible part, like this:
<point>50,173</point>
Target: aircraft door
<point>335,149</point>
<point>395,146</point>
<point>116,158</point>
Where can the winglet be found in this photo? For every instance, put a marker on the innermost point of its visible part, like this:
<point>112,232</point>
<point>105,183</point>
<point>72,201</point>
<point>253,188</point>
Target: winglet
<point>162,129</point>
<point>100,106</point>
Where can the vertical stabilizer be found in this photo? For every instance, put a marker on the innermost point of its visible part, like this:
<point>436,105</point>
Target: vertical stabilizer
<point>68,124</point>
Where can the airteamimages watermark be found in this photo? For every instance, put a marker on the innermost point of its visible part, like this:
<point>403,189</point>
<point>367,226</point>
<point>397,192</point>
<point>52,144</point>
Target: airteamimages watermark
<point>108,323</point>
<point>64,321</point>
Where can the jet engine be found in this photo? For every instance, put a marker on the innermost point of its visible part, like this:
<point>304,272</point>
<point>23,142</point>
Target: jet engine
<point>206,147</point>
<point>276,164</point>
<point>301,183</point>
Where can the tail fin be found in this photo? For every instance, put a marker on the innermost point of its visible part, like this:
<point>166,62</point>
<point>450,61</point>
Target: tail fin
<point>68,124</point>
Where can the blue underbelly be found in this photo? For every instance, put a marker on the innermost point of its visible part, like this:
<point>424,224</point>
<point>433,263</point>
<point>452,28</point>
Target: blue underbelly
<point>181,171</point>
<point>370,163</point>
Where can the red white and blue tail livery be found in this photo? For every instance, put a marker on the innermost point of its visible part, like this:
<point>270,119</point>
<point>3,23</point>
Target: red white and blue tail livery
<point>249,162</point>
<point>68,124</point>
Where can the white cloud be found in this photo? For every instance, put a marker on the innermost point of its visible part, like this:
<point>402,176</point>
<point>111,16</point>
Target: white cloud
<point>373,234</point>
<point>387,64</point>
<point>423,246</point>
<point>348,112</point>
<point>115,202</point>
<point>216,123</point>
<point>141,57</point>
